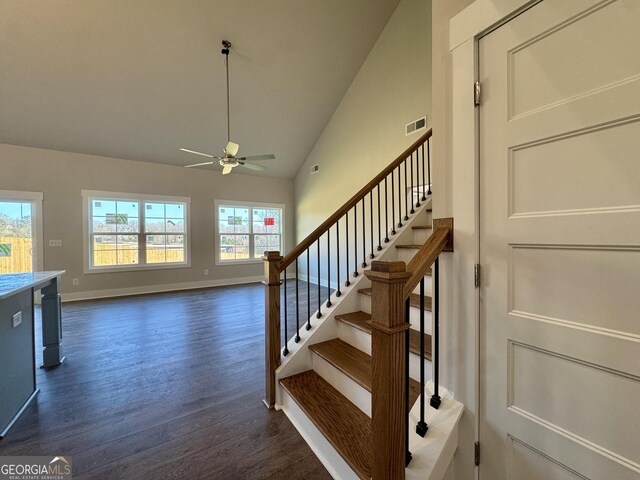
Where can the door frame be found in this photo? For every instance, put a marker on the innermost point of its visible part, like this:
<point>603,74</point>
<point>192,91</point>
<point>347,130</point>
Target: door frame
<point>466,29</point>
<point>35,198</point>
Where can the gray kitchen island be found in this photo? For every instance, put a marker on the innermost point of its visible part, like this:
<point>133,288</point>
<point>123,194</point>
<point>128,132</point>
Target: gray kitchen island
<point>17,338</point>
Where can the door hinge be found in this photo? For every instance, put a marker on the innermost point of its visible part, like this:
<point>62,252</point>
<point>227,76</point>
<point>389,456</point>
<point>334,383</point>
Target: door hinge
<point>476,454</point>
<point>476,93</point>
<point>476,275</point>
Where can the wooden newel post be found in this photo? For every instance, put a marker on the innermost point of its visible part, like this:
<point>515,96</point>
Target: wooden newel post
<point>271,323</point>
<point>388,381</point>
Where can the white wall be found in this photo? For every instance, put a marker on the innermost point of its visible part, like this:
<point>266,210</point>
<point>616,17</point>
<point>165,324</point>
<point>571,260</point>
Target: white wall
<point>61,176</point>
<point>366,132</point>
<point>457,337</point>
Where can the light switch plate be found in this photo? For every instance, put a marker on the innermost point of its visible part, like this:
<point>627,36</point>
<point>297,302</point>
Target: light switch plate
<point>16,319</point>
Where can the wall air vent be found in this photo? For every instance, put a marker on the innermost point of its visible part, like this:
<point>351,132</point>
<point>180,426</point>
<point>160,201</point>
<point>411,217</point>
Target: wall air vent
<point>314,169</point>
<point>416,125</point>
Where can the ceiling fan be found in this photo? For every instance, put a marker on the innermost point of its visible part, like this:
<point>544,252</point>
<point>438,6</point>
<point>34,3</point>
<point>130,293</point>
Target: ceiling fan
<point>228,161</point>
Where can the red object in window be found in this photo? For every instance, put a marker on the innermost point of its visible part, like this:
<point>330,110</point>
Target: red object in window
<point>269,221</point>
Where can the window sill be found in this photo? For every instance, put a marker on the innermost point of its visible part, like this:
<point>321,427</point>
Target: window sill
<point>222,263</point>
<point>133,268</point>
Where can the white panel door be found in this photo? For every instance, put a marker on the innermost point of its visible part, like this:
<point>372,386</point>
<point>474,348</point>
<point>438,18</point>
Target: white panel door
<point>560,243</point>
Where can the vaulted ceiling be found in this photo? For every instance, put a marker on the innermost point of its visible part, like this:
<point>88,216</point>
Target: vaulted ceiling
<point>138,79</point>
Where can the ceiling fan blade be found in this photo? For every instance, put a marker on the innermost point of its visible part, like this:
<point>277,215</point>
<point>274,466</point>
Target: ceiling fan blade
<point>196,153</point>
<point>231,149</point>
<point>268,156</point>
<point>252,166</point>
<point>199,164</point>
<point>226,170</point>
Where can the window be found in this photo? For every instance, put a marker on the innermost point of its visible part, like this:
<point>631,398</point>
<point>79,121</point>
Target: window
<point>20,227</point>
<point>129,231</point>
<point>245,231</point>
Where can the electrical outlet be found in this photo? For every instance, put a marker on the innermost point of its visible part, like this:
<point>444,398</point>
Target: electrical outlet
<point>75,282</point>
<point>55,243</point>
<point>16,319</point>
<point>206,271</point>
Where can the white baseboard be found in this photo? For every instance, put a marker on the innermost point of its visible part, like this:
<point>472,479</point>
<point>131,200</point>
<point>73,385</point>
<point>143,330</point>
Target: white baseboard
<point>146,289</point>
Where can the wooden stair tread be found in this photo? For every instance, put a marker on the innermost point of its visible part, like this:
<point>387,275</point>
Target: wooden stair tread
<point>360,320</point>
<point>414,343</point>
<point>349,360</point>
<point>357,365</point>
<point>421,227</point>
<point>343,424</point>
<point>414,299</point>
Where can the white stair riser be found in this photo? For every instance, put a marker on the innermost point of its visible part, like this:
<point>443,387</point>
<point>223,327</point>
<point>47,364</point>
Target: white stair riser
<point>355,337</point>
<point>405,254</point>
<point>362,341</point>
<point>428,287</point>
<point>356,394</point>
<point>414,368</point>
<point>420,235</point>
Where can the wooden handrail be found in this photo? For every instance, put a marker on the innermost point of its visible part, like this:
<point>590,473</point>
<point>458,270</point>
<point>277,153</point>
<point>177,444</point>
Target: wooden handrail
<point>441,240</point>
<point>329,222</point>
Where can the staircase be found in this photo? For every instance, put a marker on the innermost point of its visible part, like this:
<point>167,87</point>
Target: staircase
<point>353,378</point>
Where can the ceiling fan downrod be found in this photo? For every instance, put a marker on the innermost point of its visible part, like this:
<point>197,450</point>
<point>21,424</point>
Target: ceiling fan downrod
<point>226,45</point>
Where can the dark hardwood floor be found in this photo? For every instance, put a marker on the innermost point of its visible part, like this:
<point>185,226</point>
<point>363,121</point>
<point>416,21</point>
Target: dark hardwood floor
<point>164,386</point>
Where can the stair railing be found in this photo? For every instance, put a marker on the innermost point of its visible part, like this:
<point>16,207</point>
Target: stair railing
<point>398,183</point>
<point>392,284</point>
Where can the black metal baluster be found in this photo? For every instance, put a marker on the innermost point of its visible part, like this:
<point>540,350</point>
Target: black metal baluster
<point>435,398</point>
<point>417,178</point>
<point>285,350</point>
<point>406,206</point>
<point>421,427</point>
<point>399,199</point>
<point>379,222</point>
<point>386,211</point>
<point>371,221</point>
<point>308,327</point>
<point>355,240</point>
<point>424,197</point>
<point>407,307</point>
<point>328,268</point>
<point>428,167</point>
<point>411,194</point>
<point>346,236</point>
<point>319,314</point>
<point>393,205</point>
<point>338,292</point>
<point>364,237</point>
<point>297,339</point>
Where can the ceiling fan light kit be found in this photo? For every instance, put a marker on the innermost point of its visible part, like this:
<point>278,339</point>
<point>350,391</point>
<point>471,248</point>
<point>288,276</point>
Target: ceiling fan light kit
<point>229,160</point>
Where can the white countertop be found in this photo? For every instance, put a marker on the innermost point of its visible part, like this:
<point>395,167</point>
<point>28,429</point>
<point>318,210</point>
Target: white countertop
<point>12,283</point>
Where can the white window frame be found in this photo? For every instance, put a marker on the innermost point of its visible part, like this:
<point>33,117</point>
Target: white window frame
<point>35,198</point>
<point>88,195</point>
<point>250,205</point>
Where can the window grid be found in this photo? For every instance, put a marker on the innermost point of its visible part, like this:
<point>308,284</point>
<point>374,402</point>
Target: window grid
<point>260,230</point>
<point>122,224</point>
